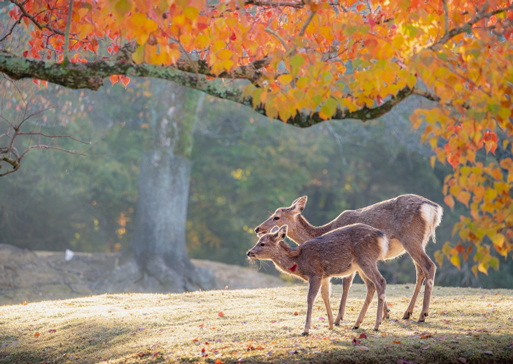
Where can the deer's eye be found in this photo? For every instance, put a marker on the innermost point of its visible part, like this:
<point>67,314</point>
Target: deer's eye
<point>262,244</point>
<point>276,218</point>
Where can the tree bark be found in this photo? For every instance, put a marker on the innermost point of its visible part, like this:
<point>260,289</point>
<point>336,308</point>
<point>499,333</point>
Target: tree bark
<point>159,240</point>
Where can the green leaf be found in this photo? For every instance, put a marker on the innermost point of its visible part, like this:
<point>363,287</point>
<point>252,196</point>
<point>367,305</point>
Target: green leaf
<point>494,263</point>
<point>297,61</point>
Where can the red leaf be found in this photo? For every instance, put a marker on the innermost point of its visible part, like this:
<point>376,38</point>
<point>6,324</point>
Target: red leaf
<point>363,336</point>
<point>220,314</point>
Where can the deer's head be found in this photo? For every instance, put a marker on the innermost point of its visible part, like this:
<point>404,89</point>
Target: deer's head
<point>283,216</point>
<point>268,245</point>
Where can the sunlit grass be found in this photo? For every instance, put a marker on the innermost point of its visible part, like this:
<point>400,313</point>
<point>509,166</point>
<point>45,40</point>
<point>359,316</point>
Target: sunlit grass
<point>257,325</point>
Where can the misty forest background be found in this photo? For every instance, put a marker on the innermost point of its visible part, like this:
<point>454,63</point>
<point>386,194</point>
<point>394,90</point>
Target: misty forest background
<point>243,168</point>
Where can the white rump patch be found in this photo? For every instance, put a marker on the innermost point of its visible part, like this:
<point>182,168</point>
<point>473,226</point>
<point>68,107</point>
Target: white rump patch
<point>432,216</point>
<point>383,244</point>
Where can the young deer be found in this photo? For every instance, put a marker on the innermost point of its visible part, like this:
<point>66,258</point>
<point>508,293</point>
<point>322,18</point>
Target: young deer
<point>341,252</point>
<point>407,220</point>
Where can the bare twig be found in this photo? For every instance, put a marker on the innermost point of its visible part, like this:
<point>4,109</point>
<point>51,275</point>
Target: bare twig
<point>54,136</point>
<point>270,31</point>
<point>16,23</point>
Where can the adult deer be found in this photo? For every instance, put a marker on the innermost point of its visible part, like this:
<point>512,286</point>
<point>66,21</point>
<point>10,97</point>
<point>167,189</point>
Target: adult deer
<point>341,252</point>
<point>407,220</point>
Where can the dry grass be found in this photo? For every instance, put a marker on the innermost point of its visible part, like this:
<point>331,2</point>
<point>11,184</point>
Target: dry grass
<point>258,326</point>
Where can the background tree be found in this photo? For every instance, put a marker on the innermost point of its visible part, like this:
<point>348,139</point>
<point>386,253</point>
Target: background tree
<point>296,57</point>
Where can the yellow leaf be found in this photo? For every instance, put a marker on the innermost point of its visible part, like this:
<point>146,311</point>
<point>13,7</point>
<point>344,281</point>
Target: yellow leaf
<point>411,81</point>
<point>224,54</point>
<point>227,64</point>
<point>191,12</point>
<point>138,56</point>
<point>247,90</point>
<point>302,82</point>
<point>498,239</point>
<point>455,260</point>
<point>285,79</point>
<point>218,45</point>
<point>432,161</point>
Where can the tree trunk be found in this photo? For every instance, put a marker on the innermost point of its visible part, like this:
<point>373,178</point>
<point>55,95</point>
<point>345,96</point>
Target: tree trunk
<point>159,240</point>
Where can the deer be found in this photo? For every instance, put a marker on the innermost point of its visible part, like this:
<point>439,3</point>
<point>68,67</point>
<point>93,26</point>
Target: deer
<point>409,221</point>
<point>341,252</point>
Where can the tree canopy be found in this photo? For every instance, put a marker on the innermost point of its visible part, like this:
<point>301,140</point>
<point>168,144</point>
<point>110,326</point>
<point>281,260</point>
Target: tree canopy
<point>304,62</point>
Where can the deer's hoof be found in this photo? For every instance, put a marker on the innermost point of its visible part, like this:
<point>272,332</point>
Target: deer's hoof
<point>421,321</point>
<point>305,334</point>
<point>356,327</point>
<point>407,315</point>
<point>337,324</point>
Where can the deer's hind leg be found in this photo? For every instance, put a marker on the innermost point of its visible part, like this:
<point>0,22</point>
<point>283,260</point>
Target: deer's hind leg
<point>325,292</point>
<point>346,284</point>
<point>370,271</point>
<point>368,298</point>
<point>418,286</point>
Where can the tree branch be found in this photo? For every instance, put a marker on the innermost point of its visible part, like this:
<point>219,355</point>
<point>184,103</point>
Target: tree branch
<point>36,23</point>
<point>467,27</point>
<point>91,75</point>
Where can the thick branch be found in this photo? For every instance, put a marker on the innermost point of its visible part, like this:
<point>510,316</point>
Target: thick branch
<point>91,75</point>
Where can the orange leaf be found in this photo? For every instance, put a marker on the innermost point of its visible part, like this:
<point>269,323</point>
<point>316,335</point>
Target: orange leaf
<point>36,334</point>
<point>218,361</point>
<point>449,201</point>
<point>25,303</point>
<point>220,314</point>
<point>296,313</point>
<point>397,342</point>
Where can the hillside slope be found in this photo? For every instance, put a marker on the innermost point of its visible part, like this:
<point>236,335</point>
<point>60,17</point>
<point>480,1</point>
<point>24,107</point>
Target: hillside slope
<point>259,325</point>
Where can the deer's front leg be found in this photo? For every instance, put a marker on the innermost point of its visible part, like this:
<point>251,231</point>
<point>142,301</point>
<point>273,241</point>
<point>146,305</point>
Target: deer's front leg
<point>325,292</point>
<point>315,284</point>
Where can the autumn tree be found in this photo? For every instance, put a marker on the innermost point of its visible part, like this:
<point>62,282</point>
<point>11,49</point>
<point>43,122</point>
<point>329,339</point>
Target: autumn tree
<point>304,62</point>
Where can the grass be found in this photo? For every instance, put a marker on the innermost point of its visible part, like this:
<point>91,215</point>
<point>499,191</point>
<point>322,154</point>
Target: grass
<point>465,325</point>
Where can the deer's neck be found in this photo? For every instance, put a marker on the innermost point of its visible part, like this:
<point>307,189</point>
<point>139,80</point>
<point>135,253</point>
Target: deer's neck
<point>306,231</point>
<point>287,259</point>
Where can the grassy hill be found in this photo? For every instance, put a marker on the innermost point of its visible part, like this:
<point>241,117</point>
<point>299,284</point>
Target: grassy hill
<point>259,325</point>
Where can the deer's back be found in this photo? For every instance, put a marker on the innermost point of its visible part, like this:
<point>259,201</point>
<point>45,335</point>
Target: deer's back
<point>333,253</point>
<point>396,217</point>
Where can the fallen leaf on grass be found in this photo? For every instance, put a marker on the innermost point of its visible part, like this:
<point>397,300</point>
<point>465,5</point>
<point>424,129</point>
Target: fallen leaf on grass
<point>355,341</point>
<point>363,336</point>
<point>194,340</point>
<point>404,361</point>
<point>218,361</point>
<point>201,325</point>
<point>25,303</point>
<point>143,353</point>
<point>362,347</point>
<point>220,314</point>
<point>426,347</point>
<point>36,334</point>
<point>322,318</point>
<point>489,352</point>
<point>462,360</point>
<point>426,336</point>
<point>259,348</point>
<point>296,313</point>
<point>52,331</point>
<point>383,335</point>
<point>396,341</point>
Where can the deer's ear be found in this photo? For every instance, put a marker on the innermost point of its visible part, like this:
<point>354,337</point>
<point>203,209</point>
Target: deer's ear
<point>282,233</point>
<point>299,204</point>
